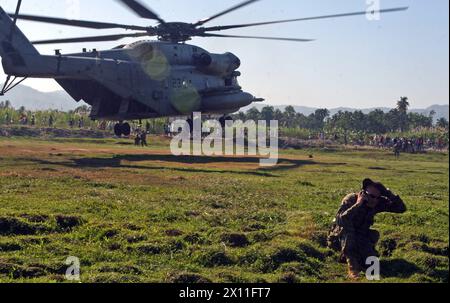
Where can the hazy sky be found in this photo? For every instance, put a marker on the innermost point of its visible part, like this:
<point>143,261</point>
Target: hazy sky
<point>354,62</point>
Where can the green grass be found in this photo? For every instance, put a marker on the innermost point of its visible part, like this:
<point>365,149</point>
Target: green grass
<point>131,215</point>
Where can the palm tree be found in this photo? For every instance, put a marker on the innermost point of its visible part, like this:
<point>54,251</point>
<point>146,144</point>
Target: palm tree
<point>433,113</point>
<point>403,104</point>
<point>5,104</point>
<point>268,113</point>
<point>289,115</point>
<point>402,107</point>
<point>253,114</point>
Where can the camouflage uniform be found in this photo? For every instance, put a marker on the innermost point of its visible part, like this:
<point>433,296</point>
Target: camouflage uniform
<point>351,233</point>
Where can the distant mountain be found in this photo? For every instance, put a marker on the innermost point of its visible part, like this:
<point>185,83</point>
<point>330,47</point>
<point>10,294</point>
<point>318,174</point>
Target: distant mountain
<point>37,100</point>
<point>442,111</point>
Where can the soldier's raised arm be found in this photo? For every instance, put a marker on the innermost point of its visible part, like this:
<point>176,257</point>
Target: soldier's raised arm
<point>349,208</point>
<point>392,203</point>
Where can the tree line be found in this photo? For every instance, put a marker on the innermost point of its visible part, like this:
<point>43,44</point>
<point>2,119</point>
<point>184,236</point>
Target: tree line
<point>355,124</point>
<point>375,122</point>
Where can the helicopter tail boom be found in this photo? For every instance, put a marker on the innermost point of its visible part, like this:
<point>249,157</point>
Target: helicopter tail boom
<point>15,49</point>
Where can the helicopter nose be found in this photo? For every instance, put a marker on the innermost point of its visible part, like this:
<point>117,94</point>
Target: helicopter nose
<point>235,60</point>
<point>229,101</point>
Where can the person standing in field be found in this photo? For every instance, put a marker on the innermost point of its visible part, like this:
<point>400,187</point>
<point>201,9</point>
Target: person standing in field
<point>351,233</point>
<point>397,147</point>
<point>137,139</point>
<point>143,138</point>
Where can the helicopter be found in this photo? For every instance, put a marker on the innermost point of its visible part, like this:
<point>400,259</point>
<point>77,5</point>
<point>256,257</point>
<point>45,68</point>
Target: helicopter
<point>146,79</point>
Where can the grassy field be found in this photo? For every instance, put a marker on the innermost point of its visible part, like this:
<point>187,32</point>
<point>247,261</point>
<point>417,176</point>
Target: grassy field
<point>142,215</point>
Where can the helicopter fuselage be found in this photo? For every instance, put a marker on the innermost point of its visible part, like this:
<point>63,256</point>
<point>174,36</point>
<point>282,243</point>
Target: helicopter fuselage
<point>145,79</point>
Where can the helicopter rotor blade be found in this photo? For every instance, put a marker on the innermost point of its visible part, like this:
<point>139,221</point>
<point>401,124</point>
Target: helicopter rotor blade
<point>226,27</point>
<point>91,39</point>
<point>79,23</point>
<point>236,7</point>
<point>142,10</point>
<point>253,37</point>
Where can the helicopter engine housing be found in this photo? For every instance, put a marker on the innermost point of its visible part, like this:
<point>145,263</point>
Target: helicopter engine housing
<point>217,64</point>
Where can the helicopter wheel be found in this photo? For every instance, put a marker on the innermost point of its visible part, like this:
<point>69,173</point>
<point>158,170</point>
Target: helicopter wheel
<point>191,125</point>
<point>122,129</point>
<point>118,130</point>
<point>126,129</point>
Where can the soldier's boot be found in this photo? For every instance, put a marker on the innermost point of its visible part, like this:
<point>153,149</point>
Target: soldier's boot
<point>354,269</point>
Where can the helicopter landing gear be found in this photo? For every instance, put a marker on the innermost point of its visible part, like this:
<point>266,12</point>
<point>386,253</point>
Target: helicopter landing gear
<point>191,125</point>
<point>223,120</point>
<point>192,121</point>
<point>122,129</point>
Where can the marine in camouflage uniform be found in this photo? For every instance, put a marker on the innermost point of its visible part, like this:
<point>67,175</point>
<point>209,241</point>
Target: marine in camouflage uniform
<point>351,233</point>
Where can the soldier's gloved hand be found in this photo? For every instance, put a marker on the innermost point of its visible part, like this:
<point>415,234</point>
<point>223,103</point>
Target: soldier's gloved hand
<point>362,198</point>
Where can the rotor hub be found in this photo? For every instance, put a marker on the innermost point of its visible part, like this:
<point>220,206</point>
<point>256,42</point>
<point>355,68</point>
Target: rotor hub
<point>176,31</point>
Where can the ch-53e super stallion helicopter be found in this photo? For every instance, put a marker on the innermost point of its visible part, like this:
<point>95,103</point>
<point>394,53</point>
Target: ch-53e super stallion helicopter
<point>144,79</point>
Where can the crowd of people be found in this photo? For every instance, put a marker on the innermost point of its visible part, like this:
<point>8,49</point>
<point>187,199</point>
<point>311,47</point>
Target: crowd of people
<point>414,144</point>
<point>408,145</point>
<point>49,121</point>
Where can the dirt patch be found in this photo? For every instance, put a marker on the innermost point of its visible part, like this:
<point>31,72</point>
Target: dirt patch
<point>387,247</point>
<point>377,168</point>
<point>13,226</point>
<point>235,240</point>
<point>255,227</point>
<point>187,278</point>
<point>215,258</point>
<point>135,238</point>
<point>68,222</point>
<point>195,238</point>
<point>289,278</point>
<point>9,246</point>
<point>18,271</point>
<point>286,255</point>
